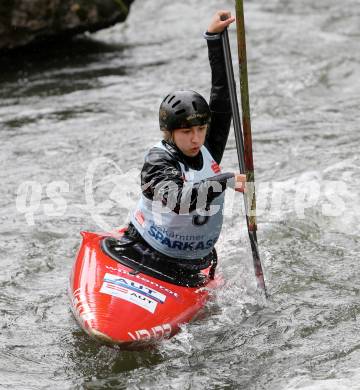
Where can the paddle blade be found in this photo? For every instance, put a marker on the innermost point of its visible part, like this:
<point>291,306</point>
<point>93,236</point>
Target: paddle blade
<point>257,263</point>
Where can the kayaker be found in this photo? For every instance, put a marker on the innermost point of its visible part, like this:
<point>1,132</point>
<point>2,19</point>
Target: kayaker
<point>179,217</point>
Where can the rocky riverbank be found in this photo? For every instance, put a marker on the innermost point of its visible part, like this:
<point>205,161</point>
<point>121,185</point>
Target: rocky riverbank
<point>23,22</point>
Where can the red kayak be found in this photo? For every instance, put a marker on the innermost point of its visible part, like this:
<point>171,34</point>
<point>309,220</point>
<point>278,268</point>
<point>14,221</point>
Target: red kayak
<point>119,302</point>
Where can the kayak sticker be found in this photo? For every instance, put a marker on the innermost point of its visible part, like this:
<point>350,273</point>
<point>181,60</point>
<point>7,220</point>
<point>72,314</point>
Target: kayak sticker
<point>81,308</point>
<point>132,291</point>
<point>157,332</point>
<point>139,277</point>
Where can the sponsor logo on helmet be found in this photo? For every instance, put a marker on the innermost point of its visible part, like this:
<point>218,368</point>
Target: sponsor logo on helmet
<point>163,114</point>
<point>196,116</point>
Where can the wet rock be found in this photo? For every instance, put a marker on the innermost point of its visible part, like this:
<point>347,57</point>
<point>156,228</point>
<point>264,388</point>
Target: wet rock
<point>27,21</point>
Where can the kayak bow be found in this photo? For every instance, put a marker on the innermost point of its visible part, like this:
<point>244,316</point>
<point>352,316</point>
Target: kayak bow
<point>117,304</point>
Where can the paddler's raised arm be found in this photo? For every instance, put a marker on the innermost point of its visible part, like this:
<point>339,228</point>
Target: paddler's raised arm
<point>220,107</point>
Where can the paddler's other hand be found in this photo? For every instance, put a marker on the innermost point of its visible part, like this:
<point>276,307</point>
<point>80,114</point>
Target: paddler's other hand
<point>217,25</point>
<point>240,182</point>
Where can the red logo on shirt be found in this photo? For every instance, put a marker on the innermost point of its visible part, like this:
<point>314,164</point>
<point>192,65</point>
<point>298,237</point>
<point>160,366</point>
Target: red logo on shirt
<point>139,216</point>
<point>215,167</point>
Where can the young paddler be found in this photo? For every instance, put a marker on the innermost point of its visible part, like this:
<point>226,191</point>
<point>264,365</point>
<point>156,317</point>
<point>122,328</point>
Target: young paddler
<point>179,217</point>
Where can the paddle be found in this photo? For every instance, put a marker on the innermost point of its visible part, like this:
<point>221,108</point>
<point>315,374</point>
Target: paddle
<point>244,153</point>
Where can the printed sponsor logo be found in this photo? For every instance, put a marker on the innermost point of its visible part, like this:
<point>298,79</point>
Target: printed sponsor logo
<point>194,245</point>
<point>132,291</point>
<point>139,277</point>
<point>215,167</point>
<point>81,308</point>
<point>196,115</point>
<point>139,216</point>
<point>157,332</point>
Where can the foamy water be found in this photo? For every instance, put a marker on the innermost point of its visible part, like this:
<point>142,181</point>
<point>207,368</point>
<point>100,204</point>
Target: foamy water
<point>77,119</point>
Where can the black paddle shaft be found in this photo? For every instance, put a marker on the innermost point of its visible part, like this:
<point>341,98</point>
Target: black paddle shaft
<point>233,100</point>
<point>240,152</point>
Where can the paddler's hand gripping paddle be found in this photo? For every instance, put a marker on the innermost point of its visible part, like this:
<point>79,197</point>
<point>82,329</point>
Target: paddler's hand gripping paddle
<point>249,195</point>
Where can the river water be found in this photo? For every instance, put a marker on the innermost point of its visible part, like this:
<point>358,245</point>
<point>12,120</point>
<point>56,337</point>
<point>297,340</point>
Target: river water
<point>75,122</point>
